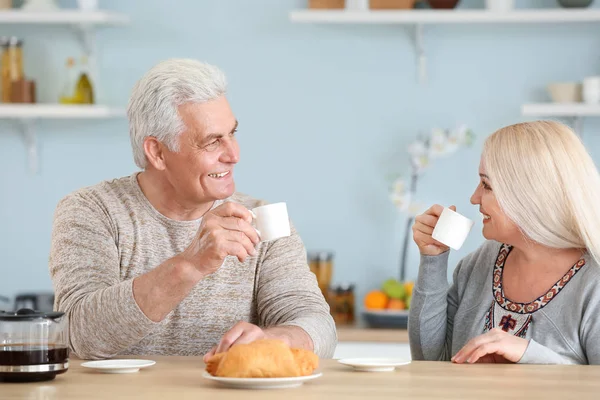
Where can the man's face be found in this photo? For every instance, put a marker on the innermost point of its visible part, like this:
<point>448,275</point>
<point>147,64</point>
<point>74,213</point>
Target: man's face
<point>202,170</point>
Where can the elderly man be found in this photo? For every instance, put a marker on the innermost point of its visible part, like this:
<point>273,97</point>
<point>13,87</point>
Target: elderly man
<point>166,261</point>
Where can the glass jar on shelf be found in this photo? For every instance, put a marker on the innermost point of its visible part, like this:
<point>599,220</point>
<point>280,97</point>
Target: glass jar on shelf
<point>4,70</point>
<point>341,303</point>
<point>11,66</point>
<point>321,264</point>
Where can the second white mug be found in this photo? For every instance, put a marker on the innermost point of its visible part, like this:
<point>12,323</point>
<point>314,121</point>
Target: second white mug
<point>591,90</point>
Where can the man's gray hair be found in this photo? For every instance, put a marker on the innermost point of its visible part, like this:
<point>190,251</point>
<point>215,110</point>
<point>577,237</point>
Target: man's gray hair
<point>154,102</point>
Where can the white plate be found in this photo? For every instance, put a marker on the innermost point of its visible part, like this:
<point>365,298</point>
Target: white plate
<point>374,364</point>
<point>118,366</point>
<point>262,383</point>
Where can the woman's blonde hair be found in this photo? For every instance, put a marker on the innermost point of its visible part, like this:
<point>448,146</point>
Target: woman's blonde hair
<point>547,183</point>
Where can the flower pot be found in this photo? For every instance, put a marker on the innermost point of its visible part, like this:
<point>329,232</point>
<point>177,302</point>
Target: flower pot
<point>391,4</point>
<point>565,92</point>
<point>326,4</point>
<point>443,3</point>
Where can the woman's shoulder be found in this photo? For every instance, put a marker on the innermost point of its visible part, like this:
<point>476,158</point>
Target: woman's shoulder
<point>488,249</point>
<point>480,261</point>
<point>486,252</point>
<point>583,289</point>
<point>590,271</point>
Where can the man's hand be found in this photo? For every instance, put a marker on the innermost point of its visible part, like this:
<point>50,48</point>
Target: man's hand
<point>245,332</point>
<point>241,333</point>
<point>225,231</point>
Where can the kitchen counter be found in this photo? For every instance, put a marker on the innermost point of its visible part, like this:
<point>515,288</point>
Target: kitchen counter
<point>359,333</point>
<point>180,378</point>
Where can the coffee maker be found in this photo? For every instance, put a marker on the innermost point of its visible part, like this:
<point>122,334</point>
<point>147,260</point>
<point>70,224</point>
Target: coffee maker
<point>34,301</point>
<point>33,345</point>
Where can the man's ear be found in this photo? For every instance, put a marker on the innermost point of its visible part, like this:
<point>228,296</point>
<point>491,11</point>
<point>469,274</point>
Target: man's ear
<point>155,152</point>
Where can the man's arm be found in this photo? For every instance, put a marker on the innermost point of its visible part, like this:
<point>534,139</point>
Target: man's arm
<point>294,336</point>
<point>159,291</point>
<point>104,318</point>
<point>289,302</point>
<point>108,315</point>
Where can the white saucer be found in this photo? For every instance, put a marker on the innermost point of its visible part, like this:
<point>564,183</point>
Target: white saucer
<point>262,383</point>
<point>374,364</point>
<point>118,366</point>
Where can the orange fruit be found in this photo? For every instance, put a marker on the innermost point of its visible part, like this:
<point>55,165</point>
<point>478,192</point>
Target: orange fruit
<point>376,300</point>
<point>408,286</point>
<point>396,304</point>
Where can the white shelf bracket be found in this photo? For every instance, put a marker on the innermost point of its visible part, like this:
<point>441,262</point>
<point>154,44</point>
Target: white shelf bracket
<point>28,134</point>
<point>420,54</point>
<point>86,35</point>
<point>578,125</point>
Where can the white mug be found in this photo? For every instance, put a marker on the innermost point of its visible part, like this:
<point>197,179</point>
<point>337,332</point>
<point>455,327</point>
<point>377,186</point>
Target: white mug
<point>591,90</point>
<point>88,5</point>
<point>500,5</point>
<point>452,229</point>
<point>272,221</point>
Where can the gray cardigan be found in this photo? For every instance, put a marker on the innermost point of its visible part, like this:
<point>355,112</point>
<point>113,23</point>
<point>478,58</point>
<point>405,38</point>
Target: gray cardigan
<point>443,318</point>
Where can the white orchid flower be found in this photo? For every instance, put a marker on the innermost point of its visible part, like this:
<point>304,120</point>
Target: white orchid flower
<point>438,143</point>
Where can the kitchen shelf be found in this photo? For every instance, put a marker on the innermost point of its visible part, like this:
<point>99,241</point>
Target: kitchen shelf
<point>418,18</point>
<point>561,109</point>
<point>27,114</point>
<point>62,17</point>
<point>84,25</point>
<point>414,17</point>
<point>575,111</point>
<point>57,111</point>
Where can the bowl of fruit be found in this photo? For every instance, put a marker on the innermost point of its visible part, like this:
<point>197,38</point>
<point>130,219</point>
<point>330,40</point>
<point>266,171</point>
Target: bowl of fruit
<point>388,307</point>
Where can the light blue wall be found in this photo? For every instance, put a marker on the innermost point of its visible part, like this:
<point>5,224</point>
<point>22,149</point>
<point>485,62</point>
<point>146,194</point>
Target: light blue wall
<point>325,114</point>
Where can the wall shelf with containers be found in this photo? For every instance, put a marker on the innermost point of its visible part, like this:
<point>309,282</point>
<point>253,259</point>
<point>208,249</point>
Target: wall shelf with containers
<point>574,111</point>
<point>84,24</point>
<point>418,18</point>
<point>572,100</point>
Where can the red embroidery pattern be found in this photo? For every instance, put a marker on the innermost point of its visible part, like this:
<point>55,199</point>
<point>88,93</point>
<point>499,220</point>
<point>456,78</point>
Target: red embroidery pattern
<point>508,323</point>
<point>537,304</point>
<point>496,317</point>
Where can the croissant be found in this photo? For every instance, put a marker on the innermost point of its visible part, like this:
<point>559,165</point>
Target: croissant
<point>266,358</point>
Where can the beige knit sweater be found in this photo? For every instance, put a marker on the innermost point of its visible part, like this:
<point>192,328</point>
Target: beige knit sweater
<point>106,235</point>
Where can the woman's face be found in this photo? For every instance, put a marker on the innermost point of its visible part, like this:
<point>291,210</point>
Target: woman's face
<point>496,225</point>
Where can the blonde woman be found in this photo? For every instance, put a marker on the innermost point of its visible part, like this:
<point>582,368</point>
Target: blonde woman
<point>531,292</point>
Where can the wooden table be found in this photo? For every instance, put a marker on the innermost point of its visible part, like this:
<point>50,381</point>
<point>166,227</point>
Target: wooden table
<point>359,333</point>
<point>180,378</point>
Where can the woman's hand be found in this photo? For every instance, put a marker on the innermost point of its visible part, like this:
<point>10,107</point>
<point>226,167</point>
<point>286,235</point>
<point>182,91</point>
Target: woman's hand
<point>495,346</point>
<point>423,228</point>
